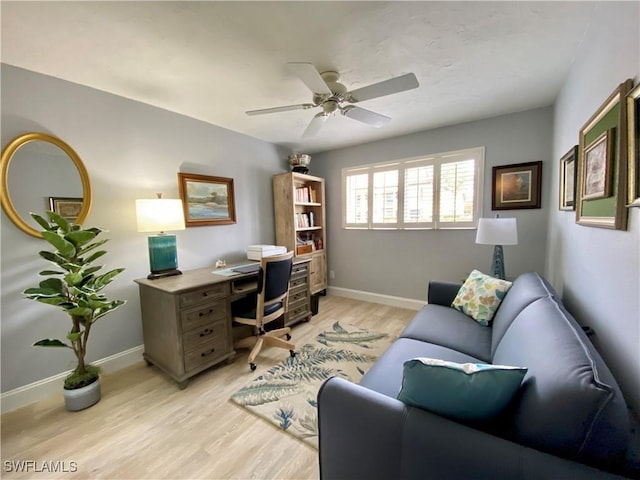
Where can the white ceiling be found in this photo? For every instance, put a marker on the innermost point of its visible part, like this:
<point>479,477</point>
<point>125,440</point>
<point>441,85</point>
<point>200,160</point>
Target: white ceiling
<point>215,60</point>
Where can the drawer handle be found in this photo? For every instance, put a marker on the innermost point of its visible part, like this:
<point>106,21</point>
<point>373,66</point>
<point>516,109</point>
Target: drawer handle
<point>206,331</point>
<point>202,314</point>
<point>204,294</point>
<point>209,352</point>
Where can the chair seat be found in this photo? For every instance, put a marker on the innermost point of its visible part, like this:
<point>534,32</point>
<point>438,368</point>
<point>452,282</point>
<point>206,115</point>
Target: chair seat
<point>251,313</point>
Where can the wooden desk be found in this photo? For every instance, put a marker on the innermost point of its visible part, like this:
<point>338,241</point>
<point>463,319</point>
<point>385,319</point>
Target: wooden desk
<point>186,319</point>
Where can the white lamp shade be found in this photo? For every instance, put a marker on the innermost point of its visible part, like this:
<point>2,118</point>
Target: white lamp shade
<point>497,231</point>
<point>159,215</point>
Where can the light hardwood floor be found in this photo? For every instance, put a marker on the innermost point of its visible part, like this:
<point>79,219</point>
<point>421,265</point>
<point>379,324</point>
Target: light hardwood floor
<point>144,427</point>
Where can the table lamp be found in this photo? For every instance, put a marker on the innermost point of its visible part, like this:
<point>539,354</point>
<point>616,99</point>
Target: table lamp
<point>161,215</point>
<point>498,232</point>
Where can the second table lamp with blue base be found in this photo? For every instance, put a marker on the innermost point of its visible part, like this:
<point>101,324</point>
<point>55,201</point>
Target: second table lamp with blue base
<point>161,215</point>
<point>497,232</point>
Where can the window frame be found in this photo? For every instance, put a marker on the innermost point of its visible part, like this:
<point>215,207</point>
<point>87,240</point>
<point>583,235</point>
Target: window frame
<point>435,160</point>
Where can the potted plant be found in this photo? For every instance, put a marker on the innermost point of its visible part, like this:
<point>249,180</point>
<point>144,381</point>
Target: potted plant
<point>74,286</point>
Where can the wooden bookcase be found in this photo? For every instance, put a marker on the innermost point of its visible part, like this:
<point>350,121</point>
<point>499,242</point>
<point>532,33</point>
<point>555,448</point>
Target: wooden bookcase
<point>299,207</point>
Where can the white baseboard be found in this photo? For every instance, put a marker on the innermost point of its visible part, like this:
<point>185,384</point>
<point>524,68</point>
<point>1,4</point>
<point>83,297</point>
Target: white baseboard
<point>22,396</point>
<point>390,300</point>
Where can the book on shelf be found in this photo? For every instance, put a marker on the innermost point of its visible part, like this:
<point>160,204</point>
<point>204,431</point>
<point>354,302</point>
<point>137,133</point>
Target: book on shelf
<point>306,195</point>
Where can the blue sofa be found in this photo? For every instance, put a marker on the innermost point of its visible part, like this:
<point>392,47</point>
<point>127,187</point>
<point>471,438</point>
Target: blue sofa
<point>567,420</point>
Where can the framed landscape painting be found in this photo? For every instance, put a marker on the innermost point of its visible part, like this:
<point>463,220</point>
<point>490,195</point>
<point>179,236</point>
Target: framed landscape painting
<point>516,186</point>
<point>598,158</point>
<point>207,200</point>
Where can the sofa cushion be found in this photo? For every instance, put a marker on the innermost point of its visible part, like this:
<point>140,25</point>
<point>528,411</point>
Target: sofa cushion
<point>461,391</point>
<point>450,328</point>
<point>569,404</point>
<point>480,296</point>
<point>385,376</point>
<point>526,289</point>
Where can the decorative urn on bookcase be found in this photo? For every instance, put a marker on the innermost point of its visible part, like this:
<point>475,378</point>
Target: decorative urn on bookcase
<point>299,205</point>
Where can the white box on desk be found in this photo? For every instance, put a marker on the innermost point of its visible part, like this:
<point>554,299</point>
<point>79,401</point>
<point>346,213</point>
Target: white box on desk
<point>256,252</point>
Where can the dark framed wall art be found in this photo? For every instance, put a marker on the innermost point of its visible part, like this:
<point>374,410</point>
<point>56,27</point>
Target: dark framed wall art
<point>207,200</point>
<point>633,143</point>
<point>568,179</point>
<point>602,164</point>
<point>516,186</point>
<point>67,207</point>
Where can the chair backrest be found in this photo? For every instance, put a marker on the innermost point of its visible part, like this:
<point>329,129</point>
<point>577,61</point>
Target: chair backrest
<point>273,283</point>
<point>274,275</point>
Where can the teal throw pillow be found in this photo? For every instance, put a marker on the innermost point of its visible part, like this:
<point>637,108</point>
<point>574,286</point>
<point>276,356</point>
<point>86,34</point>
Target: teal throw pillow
<point>480,296</point>
<point>466,391</point>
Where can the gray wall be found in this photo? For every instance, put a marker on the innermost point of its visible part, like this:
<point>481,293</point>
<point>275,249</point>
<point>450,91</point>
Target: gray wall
<point>131,150</point>
<point>400,263</point>
<point>598,270</point>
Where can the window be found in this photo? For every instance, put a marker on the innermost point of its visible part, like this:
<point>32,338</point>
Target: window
<point>434,192</point>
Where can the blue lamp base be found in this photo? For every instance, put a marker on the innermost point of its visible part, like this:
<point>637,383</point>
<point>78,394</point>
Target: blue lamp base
<point>163,256</point>
<point>498,262</point>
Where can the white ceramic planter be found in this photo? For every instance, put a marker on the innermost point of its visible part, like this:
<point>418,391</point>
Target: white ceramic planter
<point>81,398</point>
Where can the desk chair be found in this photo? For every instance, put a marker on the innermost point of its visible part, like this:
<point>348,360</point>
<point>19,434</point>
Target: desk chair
<point>270,304</point>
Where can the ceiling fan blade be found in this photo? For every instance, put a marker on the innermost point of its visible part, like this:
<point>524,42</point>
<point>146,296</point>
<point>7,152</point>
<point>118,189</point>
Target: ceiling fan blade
<point>301,106</point>
<point>316,124</point>
<point>365,116</point>
<point>310,76</point>
<point>387,87</point>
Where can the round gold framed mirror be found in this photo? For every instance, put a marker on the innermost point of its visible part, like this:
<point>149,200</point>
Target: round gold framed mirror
<point>40,172</point>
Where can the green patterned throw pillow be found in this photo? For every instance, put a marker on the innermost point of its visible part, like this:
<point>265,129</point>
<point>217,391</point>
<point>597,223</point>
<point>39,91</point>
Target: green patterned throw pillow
<point>480,296</point>
<point>466,391</point>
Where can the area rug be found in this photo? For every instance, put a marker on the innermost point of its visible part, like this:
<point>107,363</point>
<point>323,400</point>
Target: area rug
<point>285,395</point>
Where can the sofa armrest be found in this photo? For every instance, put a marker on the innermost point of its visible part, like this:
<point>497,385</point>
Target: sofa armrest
<point>442,293</point>
<point>364,434</point>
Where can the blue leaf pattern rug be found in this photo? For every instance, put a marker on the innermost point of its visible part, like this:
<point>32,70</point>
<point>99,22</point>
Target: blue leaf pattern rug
<point>286,394</point>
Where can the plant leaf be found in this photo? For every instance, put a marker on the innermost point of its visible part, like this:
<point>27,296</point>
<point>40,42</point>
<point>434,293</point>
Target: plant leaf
<point>49,342</point>
<point>74,336</point>
<point>104,280</point>
<point>73,278</point>
<point>94,257</point>
<point>41,221</point>
<point>40,292</point>
<point>60,221</point>
<point>64,247</point>
<point>80,312</point>
<point>52,284</point>
<point>92,246</point>
<point>50,272</point>
<point>80,237</point>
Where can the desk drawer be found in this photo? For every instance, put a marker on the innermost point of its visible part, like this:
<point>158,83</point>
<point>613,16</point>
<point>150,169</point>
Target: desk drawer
<point>196,297</point>
<point>298,294</point>
<point>295,282</point>
<point>299,270</point>
<point>204,333</point>
<point>206,353</point>
<point>200,316</point>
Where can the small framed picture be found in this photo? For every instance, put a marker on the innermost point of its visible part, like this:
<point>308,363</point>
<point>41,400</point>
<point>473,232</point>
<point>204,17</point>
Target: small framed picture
<point>568,174</point>
<point>207,200</point>
<point>67,207</point>
<point>633,142</point>
<point>516,186</point>
<point>598,161</point>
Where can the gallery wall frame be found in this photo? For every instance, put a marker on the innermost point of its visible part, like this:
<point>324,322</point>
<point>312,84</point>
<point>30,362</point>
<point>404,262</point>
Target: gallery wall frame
<point>606,209</point>
<point>516,186</point>
<point>207,200</point>
<point>67,207</point>
<point>633,143</point>
<point>568,178</point>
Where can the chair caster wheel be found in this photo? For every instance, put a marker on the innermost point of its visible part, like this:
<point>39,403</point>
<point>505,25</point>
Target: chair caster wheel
<point>253,366</point>
<point>288,336</point>
<point>292,353</point>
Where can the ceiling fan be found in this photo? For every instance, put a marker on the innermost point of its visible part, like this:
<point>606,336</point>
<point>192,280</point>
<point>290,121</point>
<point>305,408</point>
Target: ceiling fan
<point>333,96</point>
